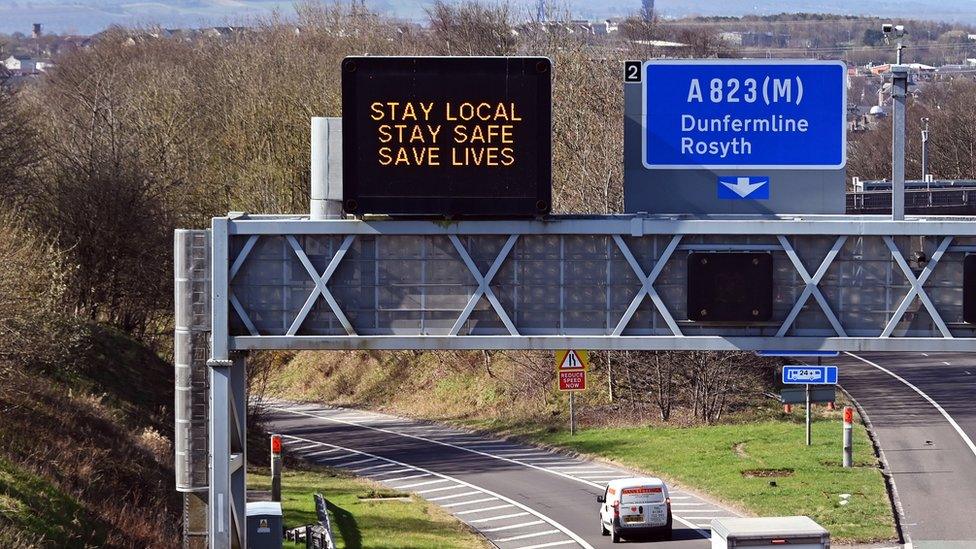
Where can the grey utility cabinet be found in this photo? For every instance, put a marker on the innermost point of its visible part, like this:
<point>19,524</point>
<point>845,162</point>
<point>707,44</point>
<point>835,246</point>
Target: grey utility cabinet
<point>792,532</point>
<point>264,525</point>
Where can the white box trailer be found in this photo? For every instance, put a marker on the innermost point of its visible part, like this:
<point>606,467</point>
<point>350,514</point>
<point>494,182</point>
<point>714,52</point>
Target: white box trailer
<point>786,532</point>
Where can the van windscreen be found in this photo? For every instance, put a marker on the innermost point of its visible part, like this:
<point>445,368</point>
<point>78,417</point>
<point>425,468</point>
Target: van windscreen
<point>642,494</point>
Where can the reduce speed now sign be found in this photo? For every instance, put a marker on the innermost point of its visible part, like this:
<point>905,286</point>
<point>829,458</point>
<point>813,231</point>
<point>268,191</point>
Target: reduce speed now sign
<point>571,366</point>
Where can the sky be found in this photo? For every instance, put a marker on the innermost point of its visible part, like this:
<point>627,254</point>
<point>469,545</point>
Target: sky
<point>91,16</point>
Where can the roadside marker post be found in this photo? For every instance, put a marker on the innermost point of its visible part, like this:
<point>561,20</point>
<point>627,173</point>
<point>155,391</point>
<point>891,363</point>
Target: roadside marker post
<point>276,468</point>
<point>848,437</point>
<point>571,367</point>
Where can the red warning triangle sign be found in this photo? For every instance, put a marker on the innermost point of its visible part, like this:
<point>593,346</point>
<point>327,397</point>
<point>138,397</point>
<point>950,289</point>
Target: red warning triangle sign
<point>571,360</point>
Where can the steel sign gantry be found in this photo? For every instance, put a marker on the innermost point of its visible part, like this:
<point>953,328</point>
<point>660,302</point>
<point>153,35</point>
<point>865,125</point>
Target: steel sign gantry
<point>610,282</point>
<point>589,282</point>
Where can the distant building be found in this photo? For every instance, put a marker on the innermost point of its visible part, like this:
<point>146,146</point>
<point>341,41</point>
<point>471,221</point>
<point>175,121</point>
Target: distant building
<point>20,63</point>
<point>756,39</point>
<point>604,27</point>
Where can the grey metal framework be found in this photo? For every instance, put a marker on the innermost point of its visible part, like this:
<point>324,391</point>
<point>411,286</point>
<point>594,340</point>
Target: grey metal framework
<point>606,282</point>
<point>935,201</point>
<point>612,282</point>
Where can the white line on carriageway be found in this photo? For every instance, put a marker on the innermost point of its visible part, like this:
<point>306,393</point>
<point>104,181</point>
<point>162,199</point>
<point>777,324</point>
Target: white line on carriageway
<point>930,400</point>
<point>529,510</point>
<point>703,533</point>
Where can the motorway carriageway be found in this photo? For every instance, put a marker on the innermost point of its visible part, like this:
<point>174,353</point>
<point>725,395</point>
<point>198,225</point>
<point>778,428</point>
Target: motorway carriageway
<point>922,410</point>
<point>516,495</point>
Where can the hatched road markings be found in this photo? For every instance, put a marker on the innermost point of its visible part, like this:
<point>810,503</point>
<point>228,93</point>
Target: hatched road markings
<point>587,472</point>
<point>568,537</point>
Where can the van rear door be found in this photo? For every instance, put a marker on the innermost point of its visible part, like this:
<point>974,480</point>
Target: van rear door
<point>643,506</point>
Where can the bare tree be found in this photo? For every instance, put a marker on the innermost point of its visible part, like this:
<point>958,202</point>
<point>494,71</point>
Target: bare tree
<point>471,28</point>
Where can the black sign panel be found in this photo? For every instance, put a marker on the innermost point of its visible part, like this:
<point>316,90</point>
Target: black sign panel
<point>730,287</point>
<point>969,289</point>
<point>798,395</point>
<point>447,136</point>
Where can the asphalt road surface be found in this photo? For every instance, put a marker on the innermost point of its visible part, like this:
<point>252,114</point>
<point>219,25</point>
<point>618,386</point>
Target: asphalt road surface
<point>922,407</point>
<point>517,495</point>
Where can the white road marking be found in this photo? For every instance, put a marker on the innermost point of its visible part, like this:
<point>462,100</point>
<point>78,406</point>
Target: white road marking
<point>306,447</point>
<point>684,504</point>
<point>319,453</point>
<point>441,498</point>
<point>528,509</point>
<point>393,472</point>
<point>965,437</point>
<point>482,510</point>
<point>553,544</point>
<point>702,533</point>
<point>925,354</point>
<point>947,364</point>
<point>344,456</point>
<point>498,517</point>
<point>409,477</point>
<point>513,526</point>
<point>361,469</point>
<point>526,536</point>
<point>585,472</point>
<point>496,442</point>
<point>480,500</point>
<point>405,486</point>
<point>358,462</point>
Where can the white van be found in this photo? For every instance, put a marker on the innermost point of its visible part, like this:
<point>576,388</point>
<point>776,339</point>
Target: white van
<point>635,506</point>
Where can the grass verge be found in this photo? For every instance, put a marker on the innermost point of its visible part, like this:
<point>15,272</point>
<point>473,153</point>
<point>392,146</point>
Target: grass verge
<point>363,513</point>
<point>731,462</point>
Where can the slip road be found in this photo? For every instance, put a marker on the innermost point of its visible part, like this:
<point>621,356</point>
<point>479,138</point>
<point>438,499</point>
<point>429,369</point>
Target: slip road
<point>517,495</point>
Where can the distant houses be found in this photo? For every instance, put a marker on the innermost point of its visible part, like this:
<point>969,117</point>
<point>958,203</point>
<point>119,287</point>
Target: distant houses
<point>22,65</point>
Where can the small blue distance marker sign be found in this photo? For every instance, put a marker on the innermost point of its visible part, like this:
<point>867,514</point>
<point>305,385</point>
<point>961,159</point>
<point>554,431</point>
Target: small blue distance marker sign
<point>812,375</point>
<point>744,114</point>
<point>743,188</point>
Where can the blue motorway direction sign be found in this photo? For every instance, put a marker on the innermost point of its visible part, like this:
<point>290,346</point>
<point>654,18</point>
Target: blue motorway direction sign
<point>743,188</point>
<point>793,375</point>
<point>745,114</point>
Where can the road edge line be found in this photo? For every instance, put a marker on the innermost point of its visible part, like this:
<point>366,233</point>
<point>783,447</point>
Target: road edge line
<point>899,510</point>
<point>962,434</point>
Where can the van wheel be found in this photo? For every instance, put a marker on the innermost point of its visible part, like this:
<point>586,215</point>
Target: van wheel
<point>603,529</point>
<point>615,537</point>
<point>668,533</point>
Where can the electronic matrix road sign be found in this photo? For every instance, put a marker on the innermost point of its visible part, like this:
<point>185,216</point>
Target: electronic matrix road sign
<point>730,287</point>
<point>447,136</point>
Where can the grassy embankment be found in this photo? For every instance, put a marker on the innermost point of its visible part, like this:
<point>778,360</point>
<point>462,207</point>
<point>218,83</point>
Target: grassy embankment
<point>364,514</point>
<point>84,447</point>
<point>763,468</point>
<point>727,462</point>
